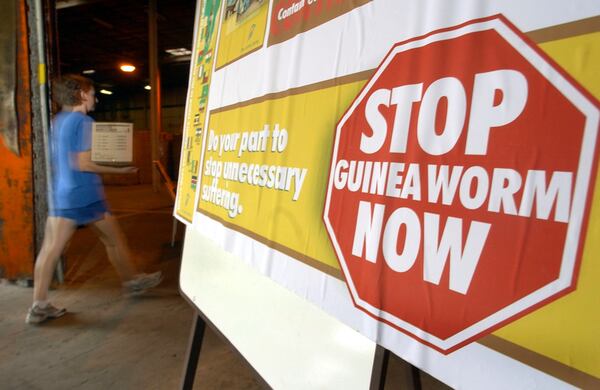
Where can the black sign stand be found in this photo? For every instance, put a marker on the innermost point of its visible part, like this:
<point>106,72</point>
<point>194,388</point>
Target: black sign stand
<point>378,372</point>
<point>412,377</point>
<point>199,325</point>
<point>380,366</point>
<point>193,352</point>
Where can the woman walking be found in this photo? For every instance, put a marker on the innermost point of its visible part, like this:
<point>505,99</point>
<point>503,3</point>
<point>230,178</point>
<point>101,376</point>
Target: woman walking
<point>78,199</point>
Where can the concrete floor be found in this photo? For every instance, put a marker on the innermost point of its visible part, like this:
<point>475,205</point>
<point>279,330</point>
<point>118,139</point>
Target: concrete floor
<point>109,341</point>
<point>106,340</point>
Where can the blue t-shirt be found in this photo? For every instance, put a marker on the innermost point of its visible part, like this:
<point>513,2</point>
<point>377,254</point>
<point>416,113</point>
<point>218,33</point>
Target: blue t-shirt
<point>72,133</point>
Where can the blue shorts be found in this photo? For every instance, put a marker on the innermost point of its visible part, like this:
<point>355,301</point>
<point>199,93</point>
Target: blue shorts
<point>83,215</point>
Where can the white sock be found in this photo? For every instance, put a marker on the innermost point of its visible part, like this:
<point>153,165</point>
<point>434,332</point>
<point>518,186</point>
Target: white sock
<point>40,304</point>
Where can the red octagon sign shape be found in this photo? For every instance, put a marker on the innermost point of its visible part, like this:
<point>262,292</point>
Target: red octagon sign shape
<point>460,183</point>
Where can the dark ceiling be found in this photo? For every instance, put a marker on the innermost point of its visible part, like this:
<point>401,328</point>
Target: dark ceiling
<point>102,34</point>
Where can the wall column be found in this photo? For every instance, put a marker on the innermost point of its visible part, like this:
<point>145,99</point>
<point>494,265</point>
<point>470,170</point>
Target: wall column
<point>155,93</point>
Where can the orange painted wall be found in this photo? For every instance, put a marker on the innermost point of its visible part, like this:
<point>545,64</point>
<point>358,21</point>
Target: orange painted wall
<point>16,179</point>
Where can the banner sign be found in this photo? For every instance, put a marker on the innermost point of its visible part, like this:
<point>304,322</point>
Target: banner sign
<point>242,29</point>
<point>290,18</point>
<point>205,38</point>
<point>425,173</point>
<point>261,154</point>
<point>112,143</point>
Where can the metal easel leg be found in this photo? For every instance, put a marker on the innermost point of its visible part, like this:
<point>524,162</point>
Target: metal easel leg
<point>379,371</point>
<point>174,232</point>
<point>412,375</point>
<point>193,352</point>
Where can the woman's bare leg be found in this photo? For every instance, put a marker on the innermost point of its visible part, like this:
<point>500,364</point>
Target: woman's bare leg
<point>116,246</point>
<point>56,235</point>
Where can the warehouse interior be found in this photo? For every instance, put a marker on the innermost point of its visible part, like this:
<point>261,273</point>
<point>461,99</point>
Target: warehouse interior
<point>108,340</point>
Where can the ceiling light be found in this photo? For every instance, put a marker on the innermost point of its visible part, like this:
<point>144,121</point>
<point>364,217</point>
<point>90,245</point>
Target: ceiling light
<point>106,92</point>
<point>182,51</point>
<point>147,87</point>
<point>89,71</point>
<point>127,68</point>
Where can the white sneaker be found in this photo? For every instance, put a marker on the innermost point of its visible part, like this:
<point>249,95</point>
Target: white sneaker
<point>36,314</point>
<point>142,282</point>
